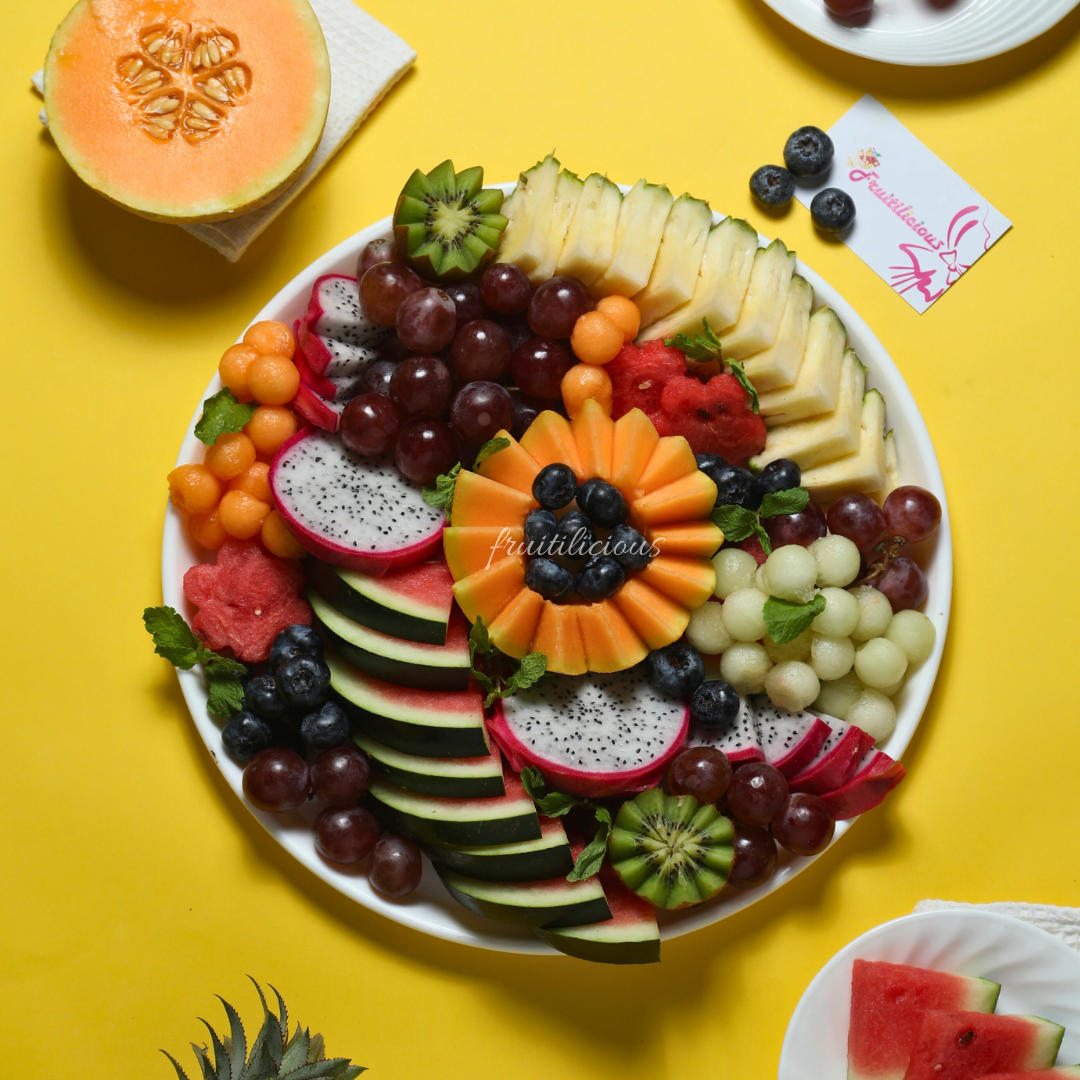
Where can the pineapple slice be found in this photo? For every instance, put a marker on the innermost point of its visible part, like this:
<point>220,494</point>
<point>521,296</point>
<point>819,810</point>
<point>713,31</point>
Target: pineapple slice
<point>529,210</point>
<point>763,307</point>
<point>567,193</point>
<point>862,471</point>
<point>779,365</point>
<point>822,438</point>
<point>721,284</point>
<point>817,388</point>
<point>675,271</point>
<point>590,236</point>
<point>642,218</point>
<point>892,469</point>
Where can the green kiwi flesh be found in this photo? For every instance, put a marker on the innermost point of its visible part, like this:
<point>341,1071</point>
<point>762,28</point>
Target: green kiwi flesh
<point>671,850</point>
<point>447,226</point>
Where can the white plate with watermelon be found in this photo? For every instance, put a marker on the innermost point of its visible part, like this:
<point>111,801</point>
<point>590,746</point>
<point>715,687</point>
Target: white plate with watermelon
<point>431,909</point>
<point>1039,976</point>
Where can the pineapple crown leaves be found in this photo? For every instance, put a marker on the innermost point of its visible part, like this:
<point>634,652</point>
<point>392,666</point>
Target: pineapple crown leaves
<point>274,1056</point>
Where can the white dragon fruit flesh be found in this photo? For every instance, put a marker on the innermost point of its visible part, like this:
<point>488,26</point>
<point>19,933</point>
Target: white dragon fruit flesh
<point>790,741</point>
<point>739,740</point>
<point>334,334</point>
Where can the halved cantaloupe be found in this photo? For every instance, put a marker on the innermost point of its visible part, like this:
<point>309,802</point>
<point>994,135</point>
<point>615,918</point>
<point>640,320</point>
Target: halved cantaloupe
<point>513,466</point>
<point>671,460</point>
<point>550,439</point>
<point>514,626</point>
<point>485,593</point>
<point>689,582</point>
<point>480,501</point>
<point>688,498</point>
<point>594,434</point>
<point>635,442</point>
<point>558,635</point>
<point>188,110</point>
<point>695,539</point>
<point>656,619</point>
<point>469,548</point>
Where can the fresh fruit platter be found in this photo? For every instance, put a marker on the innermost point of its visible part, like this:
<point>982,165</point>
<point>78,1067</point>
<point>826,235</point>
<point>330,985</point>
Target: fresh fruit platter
<point>566,565</point>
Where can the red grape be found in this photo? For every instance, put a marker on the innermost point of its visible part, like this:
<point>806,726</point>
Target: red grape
<point>340,776</point>
<point>517,329</point>
<point>396,865</point>
<point>376,378</point>
<point>480,409</point>
<point>539,365</point>
<point>421,386</point>
<point>480,350</point>
<point>505,289</point>
<point>526,410</point>
<point>377,251</point>
<point>904,583</point>
<point>426,320</point>
<point>804,826</point>
<point>755,856</point>
<point>557,305</point>
<point>424,449</point>
<point>911,512</point>
<point>276,780</point>
<point>802,528</point>
<point>858,518</point>
<point>384,288</point>
<point>757,793</point>
<point>844,8</point>
<point>369,424</point>
<point>345,834</point>
<point>701,771</point>
<point>467,302</point>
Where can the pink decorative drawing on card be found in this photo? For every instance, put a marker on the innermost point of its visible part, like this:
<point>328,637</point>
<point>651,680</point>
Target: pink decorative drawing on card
<point>958,256</point>
<point>870,158</point>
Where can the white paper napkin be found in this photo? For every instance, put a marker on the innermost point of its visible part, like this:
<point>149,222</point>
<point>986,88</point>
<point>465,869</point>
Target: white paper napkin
<point>1062,922</point>
<point>366,59</point>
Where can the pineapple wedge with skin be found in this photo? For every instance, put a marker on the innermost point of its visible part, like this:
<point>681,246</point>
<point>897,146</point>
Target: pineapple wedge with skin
<point>590,236</point>
<point>892,469</point>
<point>862,471</point>
<point>721,284</point>
<point>779,364</point>
<point>529,210</point>
<point>642,217</point>
<point>826,437</point>
<point>567,193</point>
<point>675,272</point>
<point>817,387</point>
<point>763,306</point>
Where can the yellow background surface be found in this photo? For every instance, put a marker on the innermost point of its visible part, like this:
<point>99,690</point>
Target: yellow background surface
<point>134,885</point>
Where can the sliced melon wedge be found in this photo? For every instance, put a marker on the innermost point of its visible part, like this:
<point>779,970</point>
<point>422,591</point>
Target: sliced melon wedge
<point>862,471</point>
<point>817,387</point>
<point>642,217</point>
<point>764,304</point>
<point>590,236</point>
<point>528,860</point>
<point>529,212</point>
<point>444,777</point>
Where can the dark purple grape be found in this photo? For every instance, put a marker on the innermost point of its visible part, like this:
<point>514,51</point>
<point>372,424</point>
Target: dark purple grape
<point>804,826</point>
<point>538,367</point>
<point>467,301</point>
<point>526,410</point>
<point>911,512</point>
<point>701,771</point>
<point>858,518</point>
<point>505,289</point>
<point>396,865</point>
<point>904,583</point>
<point>345,834</point>
<point>424,449</point>
<point>426,321</point>
<point>384,288</point>
<point>376,378</point>
<point>340,776</point>
<point>757,793</point>
<point>276,780</point>
<point>377,251</point>
<point>480,350</point>
<point>557,305</point>
<point>802,528</point>
<point>369,424</point>
<point>480,410</point>
<point>421,386</point>
<point>517,330</point>
<point>754,856</point>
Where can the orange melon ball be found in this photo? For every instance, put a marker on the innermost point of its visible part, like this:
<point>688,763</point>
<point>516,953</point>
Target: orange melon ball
<point>255,480</point>
<point>231,455</point>
<point>233,370</point>
<point>194,489</point>
<point>584,381</point>
<point>207,531</point>
<point>273,379</point>
<point>242,514</point>
<point>623,313</point>
<point>278,540</point>
<point>270,427</point>
<point>271,337</point>
<point>596,339</point>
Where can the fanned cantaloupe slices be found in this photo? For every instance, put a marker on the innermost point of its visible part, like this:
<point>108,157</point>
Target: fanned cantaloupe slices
<point>670,501</point>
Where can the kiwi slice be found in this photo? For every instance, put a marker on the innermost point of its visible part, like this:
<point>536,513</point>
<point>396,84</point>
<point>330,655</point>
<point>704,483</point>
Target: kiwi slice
<point>447,225</point>
<point>671,849</point>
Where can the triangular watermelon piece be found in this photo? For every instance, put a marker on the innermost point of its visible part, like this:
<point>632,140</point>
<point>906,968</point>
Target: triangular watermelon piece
<point>888,1003</point>
<point>1037,1074</point>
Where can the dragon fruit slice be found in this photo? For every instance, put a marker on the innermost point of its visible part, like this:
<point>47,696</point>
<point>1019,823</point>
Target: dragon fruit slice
<point>790,741</point>
<point>315,409</point>
<point>835,762</point>
<point>875,776</point>
<point>334,335</point>
<point>740,741</point>
<point>360,513</point>
<point>592,735</point>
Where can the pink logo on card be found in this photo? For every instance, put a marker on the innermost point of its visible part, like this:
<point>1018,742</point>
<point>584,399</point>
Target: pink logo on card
<point>868,159</point>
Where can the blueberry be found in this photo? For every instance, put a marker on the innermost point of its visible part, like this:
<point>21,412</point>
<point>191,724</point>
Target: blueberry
<point>245,734</point>
<point>303,681</point>
<point>599,578</point>
<point>295,640</point>
<point>262,698</point>
<point>832,210</point>
<point>779,475</point>
<point>772,185</point>
<point>736,487</point>
<point>555,486</point>
<point>708,462</point>
<point>630,547</point>
<point>287,737</point>
<point>549,579</point>
<point>715,704</point>
<point>326,728</point>
<point>540,527</point>
<point>603,503</point>
<point>573,536</point>
<point>676,669</point>
<point>808,151</point>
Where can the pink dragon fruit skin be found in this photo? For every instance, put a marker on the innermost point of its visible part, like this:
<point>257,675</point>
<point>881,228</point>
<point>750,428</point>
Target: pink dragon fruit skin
<point>835,763</point>
<point>359,513</point>
<point>315,409</point>
<point>790,741</point>
<point>741,742</point>
<point>876,775</point>
<point>334,333</point>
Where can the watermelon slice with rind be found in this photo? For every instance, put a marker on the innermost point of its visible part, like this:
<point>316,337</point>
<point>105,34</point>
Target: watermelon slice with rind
<point>888,1003</point>
<point>876,775</point>
<point>1037,1074</point>
<point>837,760</point>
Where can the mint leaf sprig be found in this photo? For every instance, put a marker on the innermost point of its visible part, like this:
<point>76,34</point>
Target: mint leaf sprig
<point>702,348</point>
<point>556,804</point>
<point>176,641</point>
<point>222,414</point>
<point>787,619</point>
<point>530,668</point>
<point>737,523</point>
<point>746,384</point>
<point>441,493</point>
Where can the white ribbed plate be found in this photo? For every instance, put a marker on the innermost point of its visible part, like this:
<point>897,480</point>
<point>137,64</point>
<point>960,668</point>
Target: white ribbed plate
<point>923,33</point>
<point>1039,976</point>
